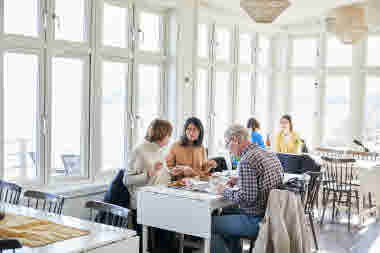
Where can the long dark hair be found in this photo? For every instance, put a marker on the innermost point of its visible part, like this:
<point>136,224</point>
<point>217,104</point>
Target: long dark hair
<point>198,124</point>
<point>253,124</point>
<point>288,118</point>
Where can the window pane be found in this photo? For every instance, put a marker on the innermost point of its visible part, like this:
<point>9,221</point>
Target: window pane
<point>202,100</point>
<point>222,106</point>
<point>263,52</point>
<point>113,110</point>
<point>337,111</point>
<point>223,47</point>
<point>21,17</point>
<point>303,106</point>
<point>373,50</point>
<point>203,41</point>
<point>338,54</point>
<point>150,25</point>
<point>70,24</point>
<point>372,109</point>
<point>148,100</point>
<point>20,115</point>
<point>304,52</point>
<point>261,101</point>
<point>245,50</point>
<point>244,97</point>
<point>115,26</point>
<point>67,93</point>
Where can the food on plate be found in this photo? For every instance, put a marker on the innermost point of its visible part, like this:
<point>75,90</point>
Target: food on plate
<point>178,183</point>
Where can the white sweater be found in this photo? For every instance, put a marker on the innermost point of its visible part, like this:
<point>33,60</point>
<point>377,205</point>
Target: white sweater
<point>143,157</point>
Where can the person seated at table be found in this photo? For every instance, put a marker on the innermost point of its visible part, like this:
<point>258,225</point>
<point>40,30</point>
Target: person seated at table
<point>187,157</point>
<point>254,125</point>
<point>287,141</point>
<point>259,171</point>
<point>146,167</point>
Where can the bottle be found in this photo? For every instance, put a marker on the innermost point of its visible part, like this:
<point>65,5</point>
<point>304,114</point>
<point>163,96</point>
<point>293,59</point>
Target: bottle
<point>267,141</point>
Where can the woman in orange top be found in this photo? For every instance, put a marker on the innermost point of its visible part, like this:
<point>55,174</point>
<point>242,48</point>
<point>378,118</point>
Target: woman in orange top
<point>187,157</point>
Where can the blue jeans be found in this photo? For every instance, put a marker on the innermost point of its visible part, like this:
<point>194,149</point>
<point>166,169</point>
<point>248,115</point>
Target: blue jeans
<point>229,228</point>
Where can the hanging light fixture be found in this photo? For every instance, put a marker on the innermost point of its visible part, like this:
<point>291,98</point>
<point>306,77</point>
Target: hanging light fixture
<point>264,11</point>
<point>348,23</point>
<point>373,13</point>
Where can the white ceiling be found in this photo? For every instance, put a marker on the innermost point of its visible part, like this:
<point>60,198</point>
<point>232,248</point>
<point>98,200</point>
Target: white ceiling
<point>298,12</point>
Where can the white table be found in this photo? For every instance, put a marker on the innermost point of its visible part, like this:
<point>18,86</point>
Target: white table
<point>181,211</point>
<point>101,239</point>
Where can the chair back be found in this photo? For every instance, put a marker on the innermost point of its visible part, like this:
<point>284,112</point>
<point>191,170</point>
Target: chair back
<point>10,192</point>
<point>312,190</point>
<point>71,163</point>
<point>339,173</point>
<point>221,164</point>
<point>44,201</point>
<point>9,244</point>
<point>108,214</point>
<point>329,152</point>
<point>359,155</point>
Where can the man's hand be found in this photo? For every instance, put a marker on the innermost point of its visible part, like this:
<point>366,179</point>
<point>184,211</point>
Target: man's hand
<point>232,181</point>
<point>220,188</point>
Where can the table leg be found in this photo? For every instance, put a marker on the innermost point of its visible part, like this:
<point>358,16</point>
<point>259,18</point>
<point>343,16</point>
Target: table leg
<point>207,246</point>
<point>145,239</point>
<point>181,242</point>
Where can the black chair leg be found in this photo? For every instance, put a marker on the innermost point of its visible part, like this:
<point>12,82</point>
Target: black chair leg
<point>349,211</point>
<point>251,245</point>
<point>313,230</point>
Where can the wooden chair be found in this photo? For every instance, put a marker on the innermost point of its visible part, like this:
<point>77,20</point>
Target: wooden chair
<point>339,179</point>
<point>44,201</point>
<point>10,192</point>
<point>367,156</point>
<point>9,244</point>
<point>108,214</point>
<point>329,152</point>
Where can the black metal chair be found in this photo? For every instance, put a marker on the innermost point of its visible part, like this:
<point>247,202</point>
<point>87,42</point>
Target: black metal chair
<point>9,244</point>
<point>10,192</point>
<point>108,214</point>
<point>340,180</point>
<point>44,201</point>
<point>311,200</point>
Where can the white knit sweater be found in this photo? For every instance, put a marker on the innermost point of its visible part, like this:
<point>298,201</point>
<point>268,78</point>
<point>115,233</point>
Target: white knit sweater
<point>143,157</point>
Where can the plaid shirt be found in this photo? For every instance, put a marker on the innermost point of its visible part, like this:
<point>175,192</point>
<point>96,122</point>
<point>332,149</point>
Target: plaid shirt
<point>259,171</point>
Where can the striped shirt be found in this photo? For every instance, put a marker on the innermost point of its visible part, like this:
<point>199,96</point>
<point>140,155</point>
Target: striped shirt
<point>259,171</point>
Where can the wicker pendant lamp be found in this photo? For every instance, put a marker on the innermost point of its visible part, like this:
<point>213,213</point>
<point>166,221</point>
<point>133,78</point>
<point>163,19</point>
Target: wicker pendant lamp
<point>373,13</point>
<point>348,24</point>
<point>264,11</point>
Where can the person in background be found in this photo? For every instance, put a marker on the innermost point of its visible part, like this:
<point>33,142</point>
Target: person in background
<point>254,125</point>
<point>187,157</point>
<point>287,141</point>
<point>146,167</point>
<point>259,171</point>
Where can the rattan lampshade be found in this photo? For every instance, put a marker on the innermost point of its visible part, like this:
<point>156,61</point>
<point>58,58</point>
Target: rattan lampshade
<point>264,11</point>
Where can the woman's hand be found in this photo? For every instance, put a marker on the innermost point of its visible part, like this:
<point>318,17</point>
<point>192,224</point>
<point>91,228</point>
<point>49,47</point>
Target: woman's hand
<point>155,169</point>
<point>188,172</point>
<point>232,182</point>
<point>211,164</point>
<point>176,171</point>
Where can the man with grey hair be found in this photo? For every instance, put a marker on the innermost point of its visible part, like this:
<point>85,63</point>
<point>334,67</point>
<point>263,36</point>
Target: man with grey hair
<point>259,171</point>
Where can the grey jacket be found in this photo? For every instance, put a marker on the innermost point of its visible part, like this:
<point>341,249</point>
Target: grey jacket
<point>284,228</point>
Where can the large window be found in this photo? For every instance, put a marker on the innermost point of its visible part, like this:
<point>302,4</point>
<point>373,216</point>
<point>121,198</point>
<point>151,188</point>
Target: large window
<point>263,52</point>
<point>337,110</point>
<point>304,52</point>
<point>303,105</point>
<point>113,116</point>
<point>371,109</point>
<point>373,47</point>
<point>245,48</point>
<point>244,97</point>
<point>21,115</point>
<point>203,41</point>
<point>87,98</point>
<point>202,101</point>
<point>338,54</point>
<point>223,38</point>
<point>261,101</point>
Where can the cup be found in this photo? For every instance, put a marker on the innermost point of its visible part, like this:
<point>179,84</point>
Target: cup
<point>2,210</point>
